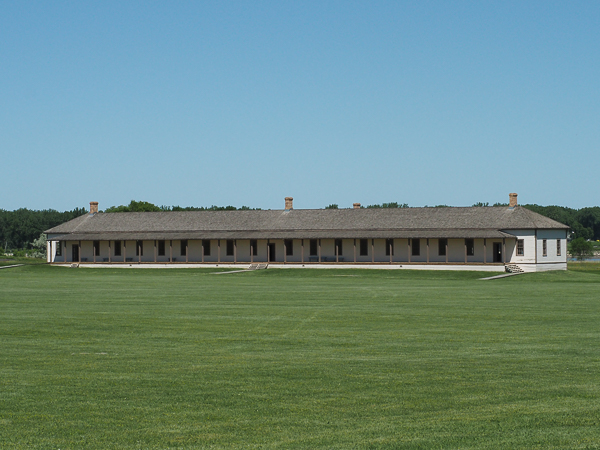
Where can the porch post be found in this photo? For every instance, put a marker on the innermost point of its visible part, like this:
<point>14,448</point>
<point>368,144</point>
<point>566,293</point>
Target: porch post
<point>373,250</point>
<point>251,252</point>
<point>79,246</point>
<point>427,250</point>
<point>466,250</point>
<point>218,250</point>
<point>268,251</point>
<point>409,245</point>
<point>171,251</point>
<point>319,250</point>
<point>186,250</point>
<point>284,251</point>
<point>354,250</point>
<point>504,250</point>
<point>235,251</point>
<point>484,250</point>
<point>65,253</point>
<point>155,250</point>
<point>536,247</point>
<point>447,240</point>
<point>336,250</point>
<point>94,251</point>
<point>391,249</point>
<point>109,251</point>
<point>302,251</point>
<point>140,252</point>
<point>202,249</point>
<point>124,251</point>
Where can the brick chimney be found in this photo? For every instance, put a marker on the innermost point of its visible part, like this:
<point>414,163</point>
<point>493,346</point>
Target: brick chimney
<point>289,203</point>
<point>356,205</point>
<point>93,208</point>
<point>512,200</point>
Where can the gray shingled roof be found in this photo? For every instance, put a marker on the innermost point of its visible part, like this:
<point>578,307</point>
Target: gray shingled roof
<point>450,222</point>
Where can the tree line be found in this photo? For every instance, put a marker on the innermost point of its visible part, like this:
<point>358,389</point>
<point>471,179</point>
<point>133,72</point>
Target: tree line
<point>135,206</point>
<point>20,228</point>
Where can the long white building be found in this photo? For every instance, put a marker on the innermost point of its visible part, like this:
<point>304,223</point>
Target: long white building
<point>473,238</point>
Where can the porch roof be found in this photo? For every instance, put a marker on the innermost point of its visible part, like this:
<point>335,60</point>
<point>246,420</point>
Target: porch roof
<point>296,234</point>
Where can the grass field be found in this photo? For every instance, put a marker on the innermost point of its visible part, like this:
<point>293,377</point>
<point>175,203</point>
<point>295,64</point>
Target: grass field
<point>137,359</point>
<point>11,260</point>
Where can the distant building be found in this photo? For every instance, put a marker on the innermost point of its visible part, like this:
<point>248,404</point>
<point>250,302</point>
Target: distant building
<point>474,238</point>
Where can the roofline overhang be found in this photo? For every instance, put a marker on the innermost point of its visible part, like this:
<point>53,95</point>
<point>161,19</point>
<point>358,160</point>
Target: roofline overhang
<point>285,234</point>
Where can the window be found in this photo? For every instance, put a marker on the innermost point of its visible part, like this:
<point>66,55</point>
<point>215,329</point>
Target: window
<point>558,249</point>
<point>544,247</point>
<point>389,243</point>
<point>139,248</point>
<point>96,248</point>
<point>442,244</point>
<point>314,247</point>
<point>254,247</point>
<point>416,247</point>
<point>183,249</point>
<point>470,244</point>
<point>338,245</point>
<point>229,247</point>
<point>161,248</point>
<point>520,247</point>
<point>206,245</point>
<point>59,248</point>
<point>289,247</point>
<point>117,248</point>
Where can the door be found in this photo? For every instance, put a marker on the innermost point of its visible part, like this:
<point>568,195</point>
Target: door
<point>272,253</point>
<point>497,252</point>
<point>75,252</point>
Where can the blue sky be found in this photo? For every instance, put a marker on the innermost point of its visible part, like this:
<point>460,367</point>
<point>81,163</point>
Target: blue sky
<point>244,103</point>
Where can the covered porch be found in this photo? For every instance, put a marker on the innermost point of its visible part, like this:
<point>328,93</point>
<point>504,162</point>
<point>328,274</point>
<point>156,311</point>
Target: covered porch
<point>431,251</point>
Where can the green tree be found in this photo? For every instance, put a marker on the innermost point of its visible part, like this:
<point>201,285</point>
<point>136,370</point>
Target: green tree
<point>590,219</point>
<point>389,205</point>
<point>135,207</point>
<point>20,227</point>
<point>580,248</point>
<point>39,246</point>
<point>332,206</point>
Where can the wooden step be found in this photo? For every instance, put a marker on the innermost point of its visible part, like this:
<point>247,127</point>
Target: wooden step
<point>513,268</point>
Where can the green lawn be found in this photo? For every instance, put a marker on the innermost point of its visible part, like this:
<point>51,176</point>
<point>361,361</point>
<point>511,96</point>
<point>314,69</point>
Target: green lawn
<point>12,260</point>
<point>181,358</point>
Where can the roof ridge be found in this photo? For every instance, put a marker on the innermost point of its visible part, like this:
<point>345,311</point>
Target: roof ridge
<point>82,221</point>
<point>533,216</point>
<point>383,219</point>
